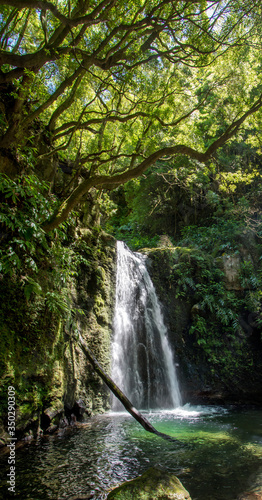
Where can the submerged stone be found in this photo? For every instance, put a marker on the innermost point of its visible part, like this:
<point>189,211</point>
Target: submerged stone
<point>255,487</point>
<point>154,484</point>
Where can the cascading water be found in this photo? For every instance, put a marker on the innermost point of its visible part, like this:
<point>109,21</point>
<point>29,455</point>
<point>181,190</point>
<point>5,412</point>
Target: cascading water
<point>142,360</point>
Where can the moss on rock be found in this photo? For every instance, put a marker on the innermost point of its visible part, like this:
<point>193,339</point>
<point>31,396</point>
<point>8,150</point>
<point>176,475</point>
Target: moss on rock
<point>41,357</point>
<point>213,318</point>
<point>154,484</point>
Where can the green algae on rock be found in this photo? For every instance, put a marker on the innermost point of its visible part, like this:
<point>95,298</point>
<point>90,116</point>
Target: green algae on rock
<point>154,484</point>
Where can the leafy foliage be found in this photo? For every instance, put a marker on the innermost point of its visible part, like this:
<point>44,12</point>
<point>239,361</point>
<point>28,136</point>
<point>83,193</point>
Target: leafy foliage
<point>37,302</point>
<point>183,192</point>
<point>199,275</point>
<point>27,255</point>
<point>94,94</point>
<point>108,90</point>
<point>24,207</point>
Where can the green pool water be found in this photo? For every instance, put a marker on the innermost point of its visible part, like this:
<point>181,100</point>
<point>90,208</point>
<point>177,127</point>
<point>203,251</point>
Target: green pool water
<point>217,455</point>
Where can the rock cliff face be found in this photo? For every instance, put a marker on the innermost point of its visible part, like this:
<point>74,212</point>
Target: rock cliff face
<point>93,294</point>
<point>80,390</point>
<point>232,377</point>
<point>54,382</point>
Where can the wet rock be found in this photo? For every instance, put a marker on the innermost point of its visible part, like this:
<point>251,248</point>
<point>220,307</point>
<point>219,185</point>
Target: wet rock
<point>79,408</point>
<point>255,487</point>
<point>51,416</point>
<point>240,383</point>
<point>51,413</point>
<point>25,419</point>
<point>154,484</point>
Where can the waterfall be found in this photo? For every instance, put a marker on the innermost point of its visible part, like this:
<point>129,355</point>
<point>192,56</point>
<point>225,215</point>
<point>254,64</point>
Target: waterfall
<point>142,360</point>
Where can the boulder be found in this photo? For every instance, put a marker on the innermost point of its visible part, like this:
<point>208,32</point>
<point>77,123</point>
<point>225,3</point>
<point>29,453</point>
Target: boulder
<point>51,416</point>
<point>154,484</point>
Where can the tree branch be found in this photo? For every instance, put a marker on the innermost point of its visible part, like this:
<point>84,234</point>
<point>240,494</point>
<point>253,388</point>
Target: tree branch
<point>66,104</point>
<point>88,20</point>
<point>119,394</point>
<point>21,34</point>
<point>109,183</point>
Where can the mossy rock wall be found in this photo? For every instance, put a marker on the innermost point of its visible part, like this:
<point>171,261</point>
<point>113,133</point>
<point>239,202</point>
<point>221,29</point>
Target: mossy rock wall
<point>220,364</point>
<point>94,295</point>
<point>41,356</point>
<point>177,317</point>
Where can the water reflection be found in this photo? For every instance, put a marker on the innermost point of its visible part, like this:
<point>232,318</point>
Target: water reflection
<point>217,452</point>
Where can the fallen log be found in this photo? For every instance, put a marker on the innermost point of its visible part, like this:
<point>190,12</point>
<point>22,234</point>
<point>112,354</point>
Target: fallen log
<point>119,394</point>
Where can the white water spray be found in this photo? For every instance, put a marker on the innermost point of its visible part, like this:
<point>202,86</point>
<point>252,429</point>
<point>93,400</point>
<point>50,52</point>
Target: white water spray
<point>142,360</point>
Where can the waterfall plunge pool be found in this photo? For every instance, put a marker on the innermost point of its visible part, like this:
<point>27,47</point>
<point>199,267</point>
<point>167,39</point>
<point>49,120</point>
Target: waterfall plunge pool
<point>217,453</point>
<point>217,450</point>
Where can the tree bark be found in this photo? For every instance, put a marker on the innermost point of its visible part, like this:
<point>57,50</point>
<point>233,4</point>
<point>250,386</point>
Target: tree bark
<point>119,394</point>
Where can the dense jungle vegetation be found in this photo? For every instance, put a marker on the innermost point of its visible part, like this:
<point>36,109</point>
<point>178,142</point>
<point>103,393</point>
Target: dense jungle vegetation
<point>139,119</point>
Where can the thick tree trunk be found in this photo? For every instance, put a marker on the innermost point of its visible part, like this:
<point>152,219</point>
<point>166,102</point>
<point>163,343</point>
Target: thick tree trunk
<point>119,394</point>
